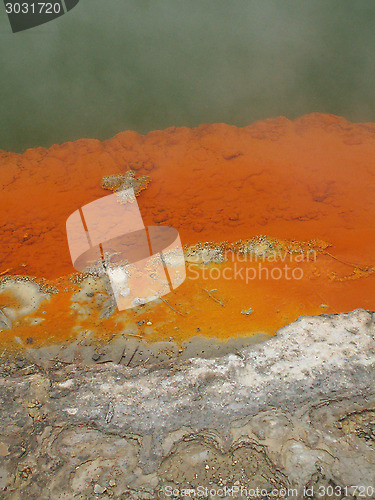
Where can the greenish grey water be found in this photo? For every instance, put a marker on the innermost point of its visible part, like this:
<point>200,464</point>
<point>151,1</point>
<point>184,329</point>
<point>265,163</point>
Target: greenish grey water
<point>112,65</point>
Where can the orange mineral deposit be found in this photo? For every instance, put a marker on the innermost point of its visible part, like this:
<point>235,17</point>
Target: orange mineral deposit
<point>277,221</point>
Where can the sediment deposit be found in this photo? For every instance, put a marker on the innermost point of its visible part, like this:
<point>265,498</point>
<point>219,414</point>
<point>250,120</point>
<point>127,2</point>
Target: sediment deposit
<point>305,184</point>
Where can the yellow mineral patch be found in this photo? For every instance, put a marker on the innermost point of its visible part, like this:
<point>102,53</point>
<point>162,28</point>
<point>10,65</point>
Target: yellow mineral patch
<point>120,182</point>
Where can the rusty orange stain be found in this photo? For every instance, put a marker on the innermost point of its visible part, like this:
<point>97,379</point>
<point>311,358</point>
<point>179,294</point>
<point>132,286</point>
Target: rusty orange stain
<point>308,179</point>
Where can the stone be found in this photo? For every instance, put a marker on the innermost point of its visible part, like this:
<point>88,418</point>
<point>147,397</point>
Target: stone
<point>99,489</point>
<point>294,411</point>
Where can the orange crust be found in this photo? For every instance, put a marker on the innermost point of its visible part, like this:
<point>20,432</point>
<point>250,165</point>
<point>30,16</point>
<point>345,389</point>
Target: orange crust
<point>303,180</point>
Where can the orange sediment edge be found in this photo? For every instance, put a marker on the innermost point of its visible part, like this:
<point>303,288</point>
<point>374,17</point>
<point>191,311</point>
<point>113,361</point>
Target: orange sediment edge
<point>255,286</point>
<point>309,180</point>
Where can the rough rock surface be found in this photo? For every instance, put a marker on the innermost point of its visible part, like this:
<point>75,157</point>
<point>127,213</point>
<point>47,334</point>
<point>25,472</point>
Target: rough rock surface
<point>294,412</point>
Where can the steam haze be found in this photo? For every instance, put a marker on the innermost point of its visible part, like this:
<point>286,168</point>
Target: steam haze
<point>113,65</point>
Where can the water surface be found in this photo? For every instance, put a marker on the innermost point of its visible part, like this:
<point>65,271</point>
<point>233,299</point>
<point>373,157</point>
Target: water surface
<point>114,65</point>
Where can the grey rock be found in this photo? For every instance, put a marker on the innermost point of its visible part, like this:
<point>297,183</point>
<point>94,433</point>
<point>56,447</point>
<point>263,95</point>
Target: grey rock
<point>99,489</point>
<point>295,411</point>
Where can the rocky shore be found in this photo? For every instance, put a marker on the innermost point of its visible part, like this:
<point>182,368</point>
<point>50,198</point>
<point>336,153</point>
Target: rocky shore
<point>293,416</point>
